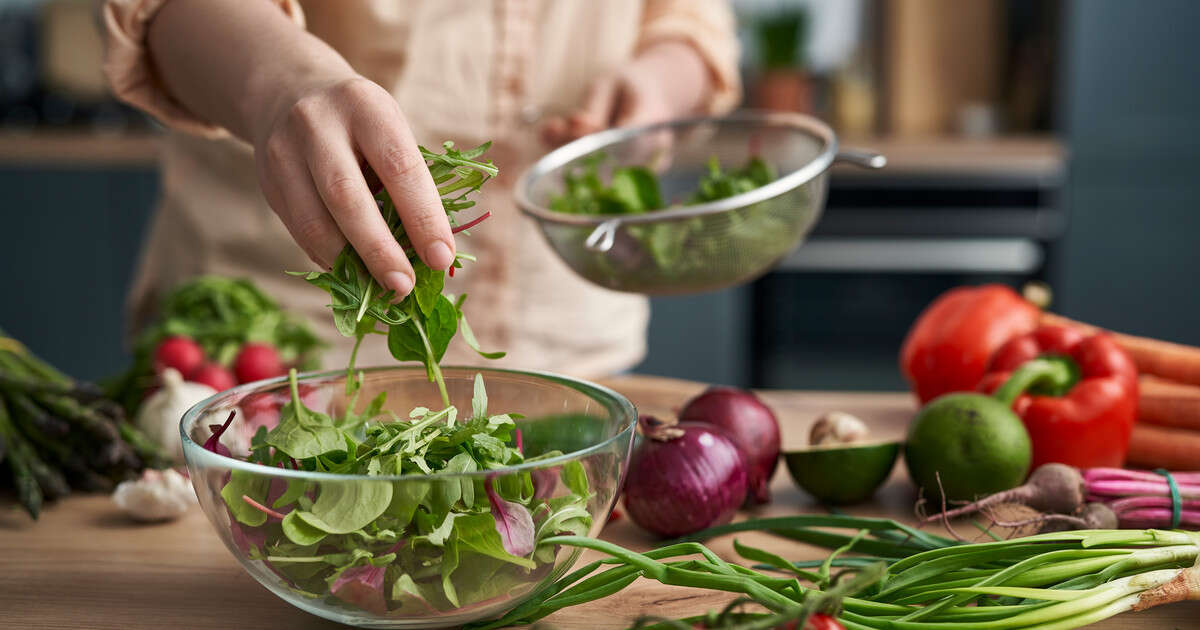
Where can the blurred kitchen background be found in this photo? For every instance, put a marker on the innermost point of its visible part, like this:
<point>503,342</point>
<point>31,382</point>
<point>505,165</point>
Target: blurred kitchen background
<point>1048,140</point>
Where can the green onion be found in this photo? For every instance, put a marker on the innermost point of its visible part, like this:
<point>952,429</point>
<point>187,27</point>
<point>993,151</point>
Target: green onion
<point>1048,581</point>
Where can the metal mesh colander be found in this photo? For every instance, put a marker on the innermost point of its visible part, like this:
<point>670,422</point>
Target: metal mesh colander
<point>704,247</point>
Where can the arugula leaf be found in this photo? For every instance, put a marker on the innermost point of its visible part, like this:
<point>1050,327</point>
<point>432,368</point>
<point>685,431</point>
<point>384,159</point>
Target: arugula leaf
<point>479,398</point>
<point>468,335</point>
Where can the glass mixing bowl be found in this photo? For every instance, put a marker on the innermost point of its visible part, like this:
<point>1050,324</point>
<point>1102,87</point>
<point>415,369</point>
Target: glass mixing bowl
<point>400,578</point>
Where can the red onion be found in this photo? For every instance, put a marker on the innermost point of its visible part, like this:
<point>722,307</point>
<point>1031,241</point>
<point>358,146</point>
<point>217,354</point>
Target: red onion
<point>750,424</point>
<point>683,478</point>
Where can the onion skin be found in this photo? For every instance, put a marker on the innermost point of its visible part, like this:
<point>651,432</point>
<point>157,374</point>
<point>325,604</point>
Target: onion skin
<point>686,483</point>
<point>752,427</point>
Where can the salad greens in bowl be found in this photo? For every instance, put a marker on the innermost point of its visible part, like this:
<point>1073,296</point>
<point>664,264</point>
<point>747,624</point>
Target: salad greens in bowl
<point>379,506</point>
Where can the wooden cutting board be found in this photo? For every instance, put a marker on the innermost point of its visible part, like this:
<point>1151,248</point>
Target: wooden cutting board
<point>84,565</point>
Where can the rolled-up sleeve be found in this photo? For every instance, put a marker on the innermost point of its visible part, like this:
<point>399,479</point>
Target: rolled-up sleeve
<point>131,72</point>
<point>710,28</point>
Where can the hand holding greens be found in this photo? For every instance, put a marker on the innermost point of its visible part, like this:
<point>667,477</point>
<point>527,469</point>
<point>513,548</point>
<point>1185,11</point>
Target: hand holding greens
<point>419,327</point>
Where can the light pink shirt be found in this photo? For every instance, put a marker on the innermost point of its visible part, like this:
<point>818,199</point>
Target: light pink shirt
<point>462,70</point>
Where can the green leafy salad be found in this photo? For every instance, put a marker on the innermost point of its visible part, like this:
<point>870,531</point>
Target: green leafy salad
<point>413,546</point>
<point>682,246</point>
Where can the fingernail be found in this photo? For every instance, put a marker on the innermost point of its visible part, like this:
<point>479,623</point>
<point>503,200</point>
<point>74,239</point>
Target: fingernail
<point>438,255</point>
<point>398,282</point>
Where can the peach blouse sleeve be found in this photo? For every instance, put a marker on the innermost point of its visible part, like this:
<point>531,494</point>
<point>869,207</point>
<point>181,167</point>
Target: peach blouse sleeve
<point>131,73</point>
<point>710,28</point>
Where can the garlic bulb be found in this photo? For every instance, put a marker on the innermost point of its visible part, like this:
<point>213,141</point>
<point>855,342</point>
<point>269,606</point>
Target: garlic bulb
<point>158,495</point>
<point>837,427</point>
<point>160,414</point>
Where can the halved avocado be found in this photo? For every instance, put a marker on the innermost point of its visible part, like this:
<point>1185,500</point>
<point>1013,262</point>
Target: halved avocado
<point>840,474</point>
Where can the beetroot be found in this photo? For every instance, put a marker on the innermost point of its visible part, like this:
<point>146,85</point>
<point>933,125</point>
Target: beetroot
<point>214,376</point>
<point>256,362</point>
<point>178,352</point>
<point>750,424</point>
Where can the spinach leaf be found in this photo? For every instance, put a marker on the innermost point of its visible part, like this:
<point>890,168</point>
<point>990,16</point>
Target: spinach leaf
<point>295,488</point>
<point>243,483</point>
<point>636,189</point>
<point>299,531</point>
<point>345,506</point>
<point>428,286</point>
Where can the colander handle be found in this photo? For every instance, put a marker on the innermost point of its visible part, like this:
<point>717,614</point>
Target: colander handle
<point>601,239</point>
<point>864,158</point>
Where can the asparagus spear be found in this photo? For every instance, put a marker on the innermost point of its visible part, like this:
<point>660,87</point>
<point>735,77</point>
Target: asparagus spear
<point>28,491</point>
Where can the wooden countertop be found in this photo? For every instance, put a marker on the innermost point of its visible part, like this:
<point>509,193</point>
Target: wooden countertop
<point>75,149</point>
<point>1024,156</point>
<point>84,565</point>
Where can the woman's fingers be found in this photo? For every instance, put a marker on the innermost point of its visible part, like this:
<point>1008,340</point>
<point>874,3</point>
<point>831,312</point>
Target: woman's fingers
<point>288,187</point>
<point>340,183</point>
<point>387,144</point>
<point>597,110</point>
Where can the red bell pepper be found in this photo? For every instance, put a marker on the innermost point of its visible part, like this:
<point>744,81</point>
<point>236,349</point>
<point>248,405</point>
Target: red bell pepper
<point>949,346</point>
<point>1083,420</point>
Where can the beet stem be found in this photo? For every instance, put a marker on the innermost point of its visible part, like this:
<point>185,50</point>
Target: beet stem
<point>262,508</point>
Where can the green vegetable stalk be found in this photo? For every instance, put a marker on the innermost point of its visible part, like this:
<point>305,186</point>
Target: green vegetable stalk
<point>57,434</point>
<point>1059,580</point>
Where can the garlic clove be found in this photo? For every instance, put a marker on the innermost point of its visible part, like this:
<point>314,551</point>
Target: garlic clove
<point>837,427</point>
<point>158,495</point>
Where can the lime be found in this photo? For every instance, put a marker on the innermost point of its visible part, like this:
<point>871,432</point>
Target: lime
<point>973,444</point>
<point>842,473</point>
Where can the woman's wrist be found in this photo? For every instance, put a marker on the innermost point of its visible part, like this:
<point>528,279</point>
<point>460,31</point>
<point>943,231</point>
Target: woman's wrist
<point>273,89</point>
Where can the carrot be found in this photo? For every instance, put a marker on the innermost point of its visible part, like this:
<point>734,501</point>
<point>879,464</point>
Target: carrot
<point>1162,447</point>
<point>1168,360</point>
<point>1169,404</point>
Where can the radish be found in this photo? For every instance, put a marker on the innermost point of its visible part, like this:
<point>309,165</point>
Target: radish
<point>178,352</point>
<point>214,376</point>
<point>256,362</point>
<point>1052,488</point>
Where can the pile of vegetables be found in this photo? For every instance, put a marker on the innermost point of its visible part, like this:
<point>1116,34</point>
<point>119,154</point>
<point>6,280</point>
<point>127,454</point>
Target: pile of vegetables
<point>905,578</point>
<point>411,545</point>
<point>59,435</point>
<point>219,332</point>
<point>676,246</point>
<point>696,473</point>
<point>1086,414</point>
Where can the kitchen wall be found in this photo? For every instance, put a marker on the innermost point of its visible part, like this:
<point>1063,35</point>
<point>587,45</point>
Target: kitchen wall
<point>1132,117</point>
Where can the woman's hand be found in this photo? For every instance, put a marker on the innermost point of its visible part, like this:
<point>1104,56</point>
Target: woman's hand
<point>666,81</point>
<point>315,124</point>
<point>311,149</point>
